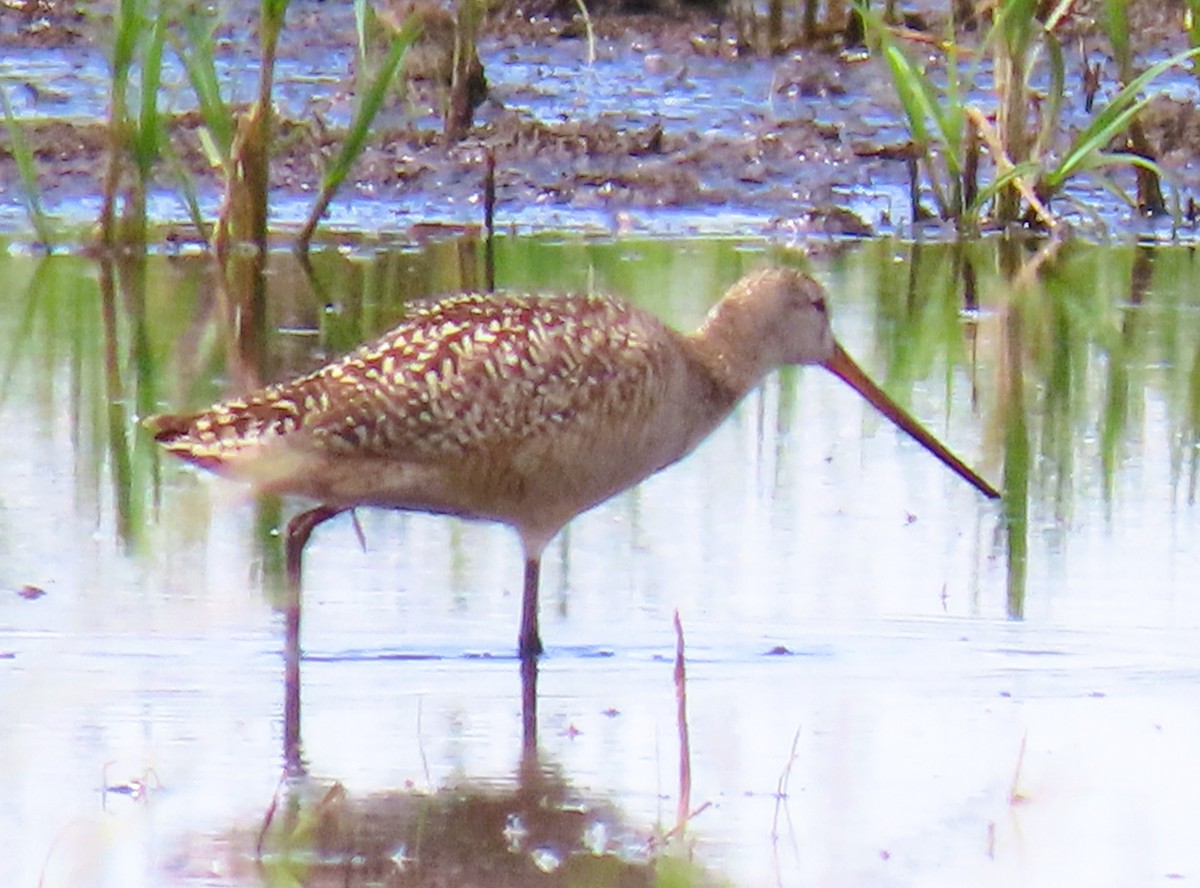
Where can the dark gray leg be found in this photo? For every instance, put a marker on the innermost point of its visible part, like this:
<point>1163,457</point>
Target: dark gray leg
<point>299,529</point>
<point>529,644</point>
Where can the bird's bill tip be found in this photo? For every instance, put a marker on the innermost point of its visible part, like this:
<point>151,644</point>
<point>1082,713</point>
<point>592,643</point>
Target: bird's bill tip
<point>844,367</point>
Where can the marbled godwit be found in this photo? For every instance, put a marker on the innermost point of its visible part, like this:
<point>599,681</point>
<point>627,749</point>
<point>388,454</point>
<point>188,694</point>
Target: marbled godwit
<point>525,410</point>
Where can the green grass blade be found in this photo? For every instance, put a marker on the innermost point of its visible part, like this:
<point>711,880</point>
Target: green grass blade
<point>931,115</point>
<point>1102,160</point>
<point>1052,105</point>
<point>372,101</point>
<point>27,171</point>
<point>591,34</point>
<point>360,126</point>
<point>947,118</point>
<point>1101,178</point>
<point>1113,119</point>
<point>218,157</point>
<point>1191,21</point>
<point>1026,170</point>
<point>189,193</point>
<point>128,28</point>
<point>954,80</point>
<point>906,81</point>
<point>273,14</point>
<point>362,9</point>
<point>1017,20</point>
<point>148,138</point>
<point>275,9</point>
<point>1116,26</point>
<point>199,62</point>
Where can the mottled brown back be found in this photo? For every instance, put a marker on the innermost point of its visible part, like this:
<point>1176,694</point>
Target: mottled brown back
<point>466,372</point>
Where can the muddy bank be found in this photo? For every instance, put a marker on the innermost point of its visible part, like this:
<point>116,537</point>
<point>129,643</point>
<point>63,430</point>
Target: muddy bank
<point>664,115</point>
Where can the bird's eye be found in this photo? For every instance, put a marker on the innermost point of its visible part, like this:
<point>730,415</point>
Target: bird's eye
<point>819,304</point>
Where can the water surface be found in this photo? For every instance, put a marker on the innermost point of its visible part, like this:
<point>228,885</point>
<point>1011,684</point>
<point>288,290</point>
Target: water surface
<point>890,680</point>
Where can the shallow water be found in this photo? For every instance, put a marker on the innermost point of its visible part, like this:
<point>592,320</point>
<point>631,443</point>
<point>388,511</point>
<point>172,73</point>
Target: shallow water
<point>970,699</point>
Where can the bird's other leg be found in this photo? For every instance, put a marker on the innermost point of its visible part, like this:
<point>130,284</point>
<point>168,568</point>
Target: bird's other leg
<point>299,529</point>
<point>529,644</point>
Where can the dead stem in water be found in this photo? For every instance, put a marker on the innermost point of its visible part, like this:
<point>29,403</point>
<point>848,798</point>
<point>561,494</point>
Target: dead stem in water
<point>781,788</point>
<point>1015,796</point>
<point>685,753</point>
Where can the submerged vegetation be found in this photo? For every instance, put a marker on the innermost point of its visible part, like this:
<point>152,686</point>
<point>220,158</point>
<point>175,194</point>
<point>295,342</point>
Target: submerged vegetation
<point>538,833</point>
<point>134,123</point>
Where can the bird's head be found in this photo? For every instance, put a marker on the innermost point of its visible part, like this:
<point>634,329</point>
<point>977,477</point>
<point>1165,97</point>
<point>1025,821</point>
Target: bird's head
<point>779,316</point>
<point>783,312</point>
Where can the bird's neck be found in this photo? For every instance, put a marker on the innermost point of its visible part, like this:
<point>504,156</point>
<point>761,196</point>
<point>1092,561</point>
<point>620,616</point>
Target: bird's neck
<point>730,351</point>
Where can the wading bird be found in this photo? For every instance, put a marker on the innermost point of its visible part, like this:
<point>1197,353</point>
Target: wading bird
<point>526,410</point>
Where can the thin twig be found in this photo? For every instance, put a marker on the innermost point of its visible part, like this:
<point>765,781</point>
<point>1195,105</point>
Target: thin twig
<point>678,828</point>
<point>358,530</point>
<point>685,753</point>
<point>781,787</point>
<point>269,816</point>
<point>1015,796</point>
<point>1004,164</point>
<point>591,35</point>
<point>1028,272</point>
